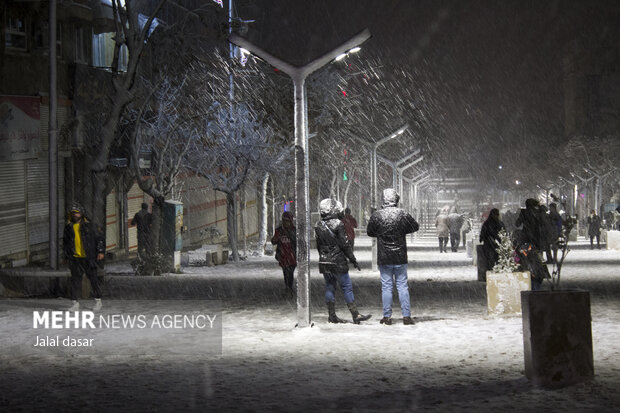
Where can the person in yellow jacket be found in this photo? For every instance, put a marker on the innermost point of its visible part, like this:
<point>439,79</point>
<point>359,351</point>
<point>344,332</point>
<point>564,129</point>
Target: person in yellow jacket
<point>83,246</point>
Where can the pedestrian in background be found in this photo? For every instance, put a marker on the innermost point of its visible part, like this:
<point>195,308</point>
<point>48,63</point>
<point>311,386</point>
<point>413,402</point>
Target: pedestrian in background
<point>390,225</point>
<point>335,253</point>
<point>467,227</point>
<point>455,222</point>
<point>532,222</point>
<point>489,236</point>
<point>143,219</point>
<point>349,226</point>
<point>443,232</point>
<point>83,247</point>
<point>594,229</point>
<point>285,240</point>
<point>556,229</point>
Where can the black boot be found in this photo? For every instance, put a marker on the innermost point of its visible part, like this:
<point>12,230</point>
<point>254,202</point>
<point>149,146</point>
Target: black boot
<point>357,317</point>
<point>333,318</point>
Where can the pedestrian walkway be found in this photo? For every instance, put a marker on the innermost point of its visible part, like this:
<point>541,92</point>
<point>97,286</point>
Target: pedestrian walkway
<point>454,358</point>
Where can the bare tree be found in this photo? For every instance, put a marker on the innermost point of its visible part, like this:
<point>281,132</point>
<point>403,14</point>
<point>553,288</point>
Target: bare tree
<point>231,147</point>
<point>132,33</point>
<point>163,133</point>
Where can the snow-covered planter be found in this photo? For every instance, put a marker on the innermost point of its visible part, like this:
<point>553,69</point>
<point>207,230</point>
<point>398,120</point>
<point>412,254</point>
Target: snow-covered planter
<point>505,282</point>
<point>613,240</point>
<point>504,291</point>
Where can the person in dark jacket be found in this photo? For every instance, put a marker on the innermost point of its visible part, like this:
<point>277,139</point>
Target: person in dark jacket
<point>532,232</point>
<point>334,255</point>
<point>83,246</point>
<point>285,240</point>
<point>594,229</point>
<point>455,222</point>
<point>143,219</point>
<point>555,219</point>
<point>489,236</point>
<point>390,225</point>
<point>350,224</point>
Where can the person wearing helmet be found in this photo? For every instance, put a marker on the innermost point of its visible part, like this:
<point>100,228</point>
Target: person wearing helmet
<point>335,253</point>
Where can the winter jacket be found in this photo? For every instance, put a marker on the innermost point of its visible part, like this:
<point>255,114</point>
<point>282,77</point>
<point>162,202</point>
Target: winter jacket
<point>594,225</point>
<point>556,225</point>
<point>533,230</point>
<point>455,222</point>
<point>143,219</point>
<point>331,242</point>
<point>92,240</point>
<point>441,223</point>
<point>390,225</point>
<point>286,246</point>
<point>489,232</point>
<point>489,236</point>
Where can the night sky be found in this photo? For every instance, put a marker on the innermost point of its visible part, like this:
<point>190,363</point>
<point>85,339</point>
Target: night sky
<point>480,82</point>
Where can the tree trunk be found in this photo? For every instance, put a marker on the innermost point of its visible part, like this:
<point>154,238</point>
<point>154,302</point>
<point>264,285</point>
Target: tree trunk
<point>158,220</point>
<point>273,207</point>
<point>231,224</point>
<point>242,212</point>
<point>262,237</point>
<point>332,186</point>
<point>346,193</point>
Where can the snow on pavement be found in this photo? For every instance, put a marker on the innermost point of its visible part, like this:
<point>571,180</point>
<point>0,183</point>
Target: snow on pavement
<point>455,358</point>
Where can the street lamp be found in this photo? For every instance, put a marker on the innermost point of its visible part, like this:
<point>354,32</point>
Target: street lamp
<point>401,169</point>
<point>373,186</point>
<point>298,75</point>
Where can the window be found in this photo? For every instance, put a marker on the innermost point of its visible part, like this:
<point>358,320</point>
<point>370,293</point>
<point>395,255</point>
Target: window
<point>15,36</point>
<point>80,45</point>
<point>103,52</point>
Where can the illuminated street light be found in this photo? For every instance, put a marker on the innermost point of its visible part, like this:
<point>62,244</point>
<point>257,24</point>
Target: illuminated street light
<point>374,196</point>
<point>298,75</point>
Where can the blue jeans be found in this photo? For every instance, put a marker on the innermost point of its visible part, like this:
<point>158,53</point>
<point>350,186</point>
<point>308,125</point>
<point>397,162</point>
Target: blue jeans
<point>389,275</point>
<point>345,285</point>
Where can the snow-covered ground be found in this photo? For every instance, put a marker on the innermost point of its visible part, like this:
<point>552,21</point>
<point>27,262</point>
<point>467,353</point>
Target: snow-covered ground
<point>455,358</point>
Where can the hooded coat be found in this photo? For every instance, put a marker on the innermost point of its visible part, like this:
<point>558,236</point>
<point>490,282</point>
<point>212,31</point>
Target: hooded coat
<point>390,225</point>
<point>331,240</point>
<point>441,223</point>
<point>489,236</point>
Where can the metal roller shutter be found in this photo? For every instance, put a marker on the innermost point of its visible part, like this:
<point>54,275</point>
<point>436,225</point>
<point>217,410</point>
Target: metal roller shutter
<point>38,201</point>
<point>12,208</point>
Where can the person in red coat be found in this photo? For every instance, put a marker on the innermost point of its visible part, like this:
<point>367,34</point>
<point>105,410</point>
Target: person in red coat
<point>286,248</point>
<point>349,226</point>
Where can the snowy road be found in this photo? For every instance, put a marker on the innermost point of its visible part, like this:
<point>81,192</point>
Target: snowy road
<point>455,358</point>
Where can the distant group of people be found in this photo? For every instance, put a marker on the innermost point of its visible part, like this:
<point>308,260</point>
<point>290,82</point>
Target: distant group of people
<point>453,226</point>
<point>335,237</point>
<point>534,233</point>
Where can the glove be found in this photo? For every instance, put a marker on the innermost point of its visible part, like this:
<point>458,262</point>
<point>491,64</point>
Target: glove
<point>356,265</point>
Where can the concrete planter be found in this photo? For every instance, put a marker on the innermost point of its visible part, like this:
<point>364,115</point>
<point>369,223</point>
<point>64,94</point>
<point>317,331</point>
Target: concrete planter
<point>557,337</point>
<point>613,240</point>
<point>504,291</point>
